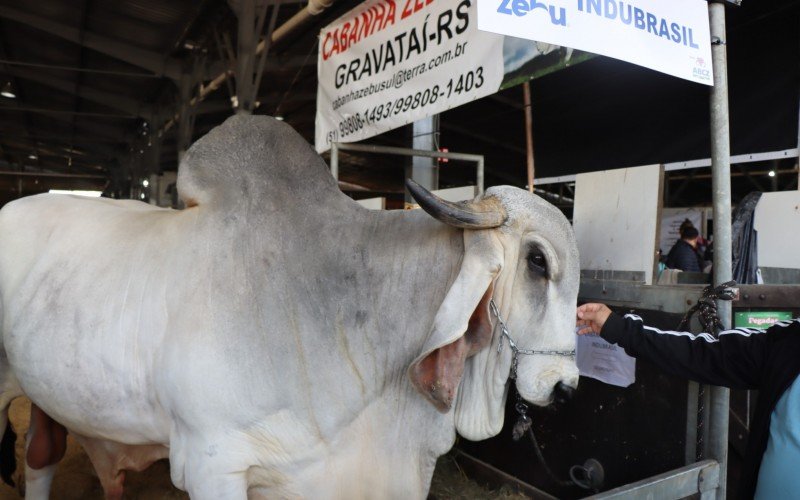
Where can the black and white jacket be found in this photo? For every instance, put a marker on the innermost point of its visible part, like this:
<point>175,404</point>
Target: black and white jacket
<point>742,358</point>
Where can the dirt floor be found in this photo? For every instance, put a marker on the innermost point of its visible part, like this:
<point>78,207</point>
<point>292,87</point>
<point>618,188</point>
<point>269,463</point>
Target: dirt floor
<point>75,478</point>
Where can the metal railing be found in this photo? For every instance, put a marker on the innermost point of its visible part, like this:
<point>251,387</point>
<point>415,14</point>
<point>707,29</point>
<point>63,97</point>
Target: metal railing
<point>700,477</point>
<point>390,150</point>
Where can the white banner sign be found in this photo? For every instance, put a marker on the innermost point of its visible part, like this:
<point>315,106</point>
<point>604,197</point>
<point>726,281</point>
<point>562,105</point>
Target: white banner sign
<point>388,63</point>
<point>671,36</point>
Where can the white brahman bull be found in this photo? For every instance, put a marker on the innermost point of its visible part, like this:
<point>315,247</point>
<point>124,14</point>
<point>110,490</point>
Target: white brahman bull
<point>274,337</point>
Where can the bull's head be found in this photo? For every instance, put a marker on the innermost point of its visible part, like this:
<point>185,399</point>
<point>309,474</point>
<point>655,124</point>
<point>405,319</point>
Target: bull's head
<point>521,251</point>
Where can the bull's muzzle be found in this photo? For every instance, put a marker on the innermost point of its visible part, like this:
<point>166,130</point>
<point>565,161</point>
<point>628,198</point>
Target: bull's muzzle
<point>562,393</point>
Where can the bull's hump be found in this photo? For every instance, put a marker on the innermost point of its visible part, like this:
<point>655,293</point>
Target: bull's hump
<point>256,160</point>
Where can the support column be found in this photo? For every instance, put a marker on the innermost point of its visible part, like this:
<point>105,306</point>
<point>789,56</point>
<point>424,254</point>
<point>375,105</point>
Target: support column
<point>245,53</point>
<point>526,92</point>
<point>425,171</point>
<point>248,70</point>
<point>721,188</point>
<point>186,115</point>
<point>797,160</point>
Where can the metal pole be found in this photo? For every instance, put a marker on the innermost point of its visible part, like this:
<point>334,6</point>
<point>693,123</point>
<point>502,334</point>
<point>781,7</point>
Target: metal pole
<point>245,56</point>
<point>479,180</point>
<point>335,160</point>
<point>526,93</point>
<point>424,169</point>
<point>721,187</point>
<point>185,113</point>
<point>797,159</point>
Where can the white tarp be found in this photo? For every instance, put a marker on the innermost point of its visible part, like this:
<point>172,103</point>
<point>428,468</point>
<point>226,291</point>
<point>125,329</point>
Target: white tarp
<point>387,63</point>
<point>671,36</point>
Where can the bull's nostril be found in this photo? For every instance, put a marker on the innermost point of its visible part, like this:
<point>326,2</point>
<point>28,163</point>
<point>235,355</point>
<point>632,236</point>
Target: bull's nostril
<point>562,393</point>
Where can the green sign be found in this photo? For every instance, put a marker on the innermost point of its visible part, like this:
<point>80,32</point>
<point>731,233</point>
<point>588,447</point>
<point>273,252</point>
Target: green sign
<point>759,319</point>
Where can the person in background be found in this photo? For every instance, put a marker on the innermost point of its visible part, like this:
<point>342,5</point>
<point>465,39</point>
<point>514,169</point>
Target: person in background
<point>741,358</point>
<point>683,254</point>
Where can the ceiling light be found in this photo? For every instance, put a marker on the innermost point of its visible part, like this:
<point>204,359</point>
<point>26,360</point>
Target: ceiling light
<point>33,156</point>
<point>145,183</point>
<point>279,118</point>
<point>8,91</point>
<point>94,194</point>
<point>771,173</point>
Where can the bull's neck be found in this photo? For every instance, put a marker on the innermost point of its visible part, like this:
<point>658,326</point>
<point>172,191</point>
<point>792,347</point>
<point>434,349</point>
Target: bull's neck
<point>401,265</point>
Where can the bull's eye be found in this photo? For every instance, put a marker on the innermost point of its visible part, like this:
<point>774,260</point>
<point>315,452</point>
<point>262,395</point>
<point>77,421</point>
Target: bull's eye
<point>537,263</point>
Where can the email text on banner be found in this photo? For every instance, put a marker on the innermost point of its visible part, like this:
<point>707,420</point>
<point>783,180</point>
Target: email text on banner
<point>388,63</point>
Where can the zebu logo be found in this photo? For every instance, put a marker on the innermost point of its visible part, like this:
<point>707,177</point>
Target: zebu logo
<point>520,8</point>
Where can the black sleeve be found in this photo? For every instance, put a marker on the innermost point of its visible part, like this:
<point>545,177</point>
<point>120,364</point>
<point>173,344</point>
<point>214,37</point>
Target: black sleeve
<point>734,359</point>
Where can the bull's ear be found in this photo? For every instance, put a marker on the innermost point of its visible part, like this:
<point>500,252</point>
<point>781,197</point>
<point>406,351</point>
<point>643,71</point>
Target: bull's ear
<point>461,327</point>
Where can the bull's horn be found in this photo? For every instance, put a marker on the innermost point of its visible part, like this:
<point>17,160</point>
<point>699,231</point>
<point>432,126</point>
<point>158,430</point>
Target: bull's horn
<point>484,213</point>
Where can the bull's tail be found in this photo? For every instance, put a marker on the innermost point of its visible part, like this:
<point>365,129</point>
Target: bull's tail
<point>8,457</point>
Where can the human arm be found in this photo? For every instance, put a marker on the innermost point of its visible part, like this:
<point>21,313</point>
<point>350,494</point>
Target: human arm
<point>734,359</point>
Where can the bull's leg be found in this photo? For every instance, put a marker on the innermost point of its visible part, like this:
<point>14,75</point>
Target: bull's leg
<point>45,446</point>
<point>38,481</point>
<point>209,473</point>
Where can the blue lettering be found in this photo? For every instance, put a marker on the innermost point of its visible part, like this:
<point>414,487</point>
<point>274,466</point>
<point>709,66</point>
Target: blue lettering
<point>691,39</point>
<point>622,14</point>
<point>611,9</point>
<point>663,30</point>
<point>520,7</point>
<point>503,8</point>
<point>538,5</point>
<point>676,32</point>
<point>651,24</point>
<point>628,14</point>
<point>638,18</point>
<point>562,20</point>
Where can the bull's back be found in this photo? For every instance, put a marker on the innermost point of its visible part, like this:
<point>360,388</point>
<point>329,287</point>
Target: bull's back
<point>47,225</point>
<point>80,297</point>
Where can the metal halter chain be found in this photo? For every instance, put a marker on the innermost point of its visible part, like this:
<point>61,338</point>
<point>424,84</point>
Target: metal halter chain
<point>516,351</point>
<point>591,471</point>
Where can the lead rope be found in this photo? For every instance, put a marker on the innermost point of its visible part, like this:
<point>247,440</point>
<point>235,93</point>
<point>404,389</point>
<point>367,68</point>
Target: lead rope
<point>709,319</point>
<point>592,471</point>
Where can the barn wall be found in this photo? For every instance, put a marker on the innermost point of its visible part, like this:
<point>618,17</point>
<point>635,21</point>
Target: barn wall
<point>777,220</point>
<point>615,219</point>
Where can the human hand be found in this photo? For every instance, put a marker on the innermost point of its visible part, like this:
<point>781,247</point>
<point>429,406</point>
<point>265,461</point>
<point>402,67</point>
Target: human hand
<point>592,317</point>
